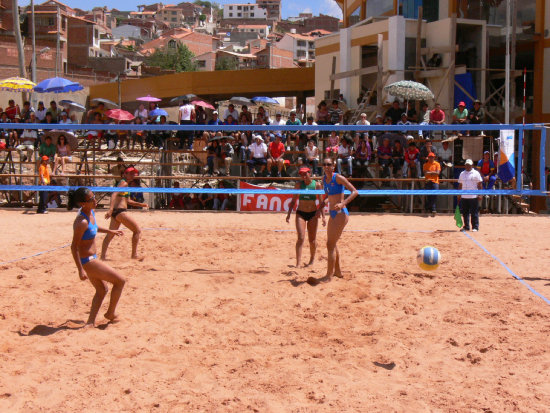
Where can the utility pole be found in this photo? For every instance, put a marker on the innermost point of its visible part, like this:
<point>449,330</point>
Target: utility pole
<point>18,39</point>
<point>507,73</point>
<point>33,38</point>
<point>57,47</point>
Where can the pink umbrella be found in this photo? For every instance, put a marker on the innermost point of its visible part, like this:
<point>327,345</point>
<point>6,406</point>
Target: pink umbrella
<point>149,98</point>
<point>119,114</point>
<point>203,104</point>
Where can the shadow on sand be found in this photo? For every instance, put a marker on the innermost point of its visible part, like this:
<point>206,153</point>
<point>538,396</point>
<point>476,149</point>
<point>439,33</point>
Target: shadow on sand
<point>43,330</point>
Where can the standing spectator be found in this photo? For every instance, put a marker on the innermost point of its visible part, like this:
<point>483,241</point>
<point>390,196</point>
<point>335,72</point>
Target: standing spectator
<point>344,156</point>
<point>292,135</point>
<point>384,152</point>
<point>141,112</point>
<point>186,116</point>
<point>487,170</point>
<point>258,154</point>
<point>28,140</point>
<point>446,159</point>
<point>322,116</point>
<point>335,114</point>
<point>432,169</point>
<point>469,180</point>
<point>200,115</point>
<point>460,116</point>
<point>63,154</point>
<point>226,152</point>
<point>312,156</point>
<point>47,149</point>
<point>276,152</point>
<point>12,110</point>
<point>362,122</point>
<point>160,137</point>
<point>41,112</point>
<point>425,150</point>
<point>411,161</point>
<point>231,111</point>
<point>394,112</point>
<point>44,179</point>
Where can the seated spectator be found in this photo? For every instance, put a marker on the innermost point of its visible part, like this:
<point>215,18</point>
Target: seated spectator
<point>64,119</point>
<point>276,151</point>
<point>460,116</point>
<point>100,108</point>
<point>47,148</point>
<point>308,135</point>
<point>231,111</point>
<point>322,115</point>
<point>394,112</point>
<point>41,112</point>
<point>9,135</point>
<point>246,114</point>
<point>243,119</point>
<point>384,152</point>
<point>141,112</point>
<point>425,150</point>
<point>292,136</point>
<point>487,170</point>
<point>424,119</point>
<point>211,164</point>
<point>55,111</point>
<point>332,144</point>
<point>477,115</point>
<point>411,161</point>
<point>411,112</point>
<point>63,154</point>
<point>215,119</point>
<point>361,135</point>
<point>12,110</point>
<point>258,155</point>
<point>345,151</point>
<point>262,118</point>
<point>220,200</point>
<point>93,134</point>
<point>200,115</point>
<point>446,160</point>
<point>279,122</point>
<point>160,137</point>
<point>437,117</point>
<point>122,136</point>
<point>311,157</point>
<point>26,111</point>
<point>177,199</point>
<point>28,140</point>
<point>206,200</point>
<point>138,135</point>
<point>229,120</point>
<point>404,122</point>
<point>225,154</point>
<point>398,157</point>
<point>241,146</point>
<point>335,114</point>
<point>362,156</point>
<point>378,120</point>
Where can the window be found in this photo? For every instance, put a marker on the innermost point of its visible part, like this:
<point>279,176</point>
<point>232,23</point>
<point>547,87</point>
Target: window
<point>51,21</point>
<point>245,8</point>
<point>311,45</point>
<point>261,30</point>
<point>230,14</point>
<point>174,19</point>
<point>174,13</point>
<point>201,63</point>
<point>172,44</point>
<point>239,8</point>
<point>230,7</point>
<point>301,53</point>
<point>301,43</point>
<point>239,14</point>
<point>251,14</point>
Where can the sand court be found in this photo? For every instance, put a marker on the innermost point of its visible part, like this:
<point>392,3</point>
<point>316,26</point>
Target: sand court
<point>216,318</point>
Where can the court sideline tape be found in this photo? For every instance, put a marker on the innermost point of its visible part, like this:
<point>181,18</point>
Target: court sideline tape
<point>517,277</point>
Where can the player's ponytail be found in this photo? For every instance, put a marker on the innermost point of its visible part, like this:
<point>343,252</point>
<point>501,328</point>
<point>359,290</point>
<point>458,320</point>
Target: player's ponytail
<point>77,196</point>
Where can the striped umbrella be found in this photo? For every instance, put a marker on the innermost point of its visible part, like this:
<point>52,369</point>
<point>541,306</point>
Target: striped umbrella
<point>409,90</point>
<point>17,84</point>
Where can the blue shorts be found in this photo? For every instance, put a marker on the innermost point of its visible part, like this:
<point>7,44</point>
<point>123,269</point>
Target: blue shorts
<point>334,212</point>
<point>88,259</point>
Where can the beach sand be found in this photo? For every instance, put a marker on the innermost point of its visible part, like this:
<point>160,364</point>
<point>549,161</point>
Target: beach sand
<point>217,319</point>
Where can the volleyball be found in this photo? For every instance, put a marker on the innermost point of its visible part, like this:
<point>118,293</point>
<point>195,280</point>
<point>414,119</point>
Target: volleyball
<point>428,258</point>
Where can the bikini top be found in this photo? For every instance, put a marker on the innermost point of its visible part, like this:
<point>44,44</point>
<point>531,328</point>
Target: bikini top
<point>91,231</point>
<point>332,187</point>
<point>123,194</point>
<point>310,187</point>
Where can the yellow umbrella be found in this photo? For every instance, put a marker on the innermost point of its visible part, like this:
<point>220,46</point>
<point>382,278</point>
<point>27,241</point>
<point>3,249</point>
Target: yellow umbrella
<point>17,84</point>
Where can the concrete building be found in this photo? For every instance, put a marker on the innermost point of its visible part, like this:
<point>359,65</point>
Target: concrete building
<point>272,8</point>
<point>307,23</point>
<point>197,43</point>
<point>302,47</point>
<point>261,29</point>
<point>243,11</point>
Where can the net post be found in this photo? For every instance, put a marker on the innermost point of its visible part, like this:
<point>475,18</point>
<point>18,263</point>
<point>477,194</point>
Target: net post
<point>238,196</point>
<point>542,161</point>
<point>520,160</point>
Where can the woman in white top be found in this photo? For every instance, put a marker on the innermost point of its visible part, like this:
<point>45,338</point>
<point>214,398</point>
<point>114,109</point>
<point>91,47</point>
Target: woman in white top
<point>360,135</point>
<point>312,156</point>
<point>65,119</point>
<point>41,112</point>
<point>141,112</point>
<point>63,154</point>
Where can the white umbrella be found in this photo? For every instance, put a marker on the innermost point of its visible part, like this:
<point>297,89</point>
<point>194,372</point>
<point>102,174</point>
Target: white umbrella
<point>409,90</point>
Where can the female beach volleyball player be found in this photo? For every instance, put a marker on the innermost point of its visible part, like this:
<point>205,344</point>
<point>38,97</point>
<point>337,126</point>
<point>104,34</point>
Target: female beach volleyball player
<point>84,253</point>
<point>118,212</point>
<point>306,215</point>
<point>334,185</point>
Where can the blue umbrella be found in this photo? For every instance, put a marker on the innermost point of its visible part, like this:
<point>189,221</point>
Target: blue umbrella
<point>158,112</point>
<point>265,100</point>
<point>58,85</point>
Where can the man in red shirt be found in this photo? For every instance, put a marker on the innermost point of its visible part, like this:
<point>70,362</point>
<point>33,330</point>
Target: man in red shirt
<point>12,110</point>
<point>276,151</point>
<point>437,117</point>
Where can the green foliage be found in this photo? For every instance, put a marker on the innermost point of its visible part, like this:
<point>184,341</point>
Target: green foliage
<point>203,3</point>
<point>226,63</point>
<point>202,17</point>
<point>179,59</point>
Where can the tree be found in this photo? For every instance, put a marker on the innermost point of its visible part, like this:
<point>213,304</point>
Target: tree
<point>202,17</point>
<point>18,39</point>
<point>226,63</point>
<point>180,59</point>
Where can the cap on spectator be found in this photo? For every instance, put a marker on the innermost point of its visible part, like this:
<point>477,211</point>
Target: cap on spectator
<point>271,136</point>
<point>486,152</point>
<point>431,154</point>
<point>304,170</point>
<point>477,101</point>
<point>468,162</point>
<point>258,137</point>
<point>379,116</point>
<point>461,104</point>
<point>278,114</point>
<point>496,153</point>
<point>64,113</point>
<point>131,170</point>
<point>215,112</point>
<point>365,115</point>
<point>404,114</point>
<point>410,137</point>
<point>293,112</point>
<point>45,158</point>
<point>278,134</point>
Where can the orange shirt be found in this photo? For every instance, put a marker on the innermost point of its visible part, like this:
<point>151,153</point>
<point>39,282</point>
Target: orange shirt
<point>432,167</point>
<point>44,173</point>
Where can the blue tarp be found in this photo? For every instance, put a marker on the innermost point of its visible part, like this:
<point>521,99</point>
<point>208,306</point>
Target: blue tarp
<point>467,82</point>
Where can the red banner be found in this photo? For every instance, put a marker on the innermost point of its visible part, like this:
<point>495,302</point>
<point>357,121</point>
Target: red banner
<point>263,202</point>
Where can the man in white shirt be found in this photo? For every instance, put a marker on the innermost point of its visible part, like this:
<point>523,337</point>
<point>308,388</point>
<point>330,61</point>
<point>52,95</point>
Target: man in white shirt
<point>231,111</point>
<point>186,116</point>
<point>309,134</point>
<point>28,140</point>
<point>279,122</point>
<point>470,180</point>
<point>361,135</point>
<point>258,155</point>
